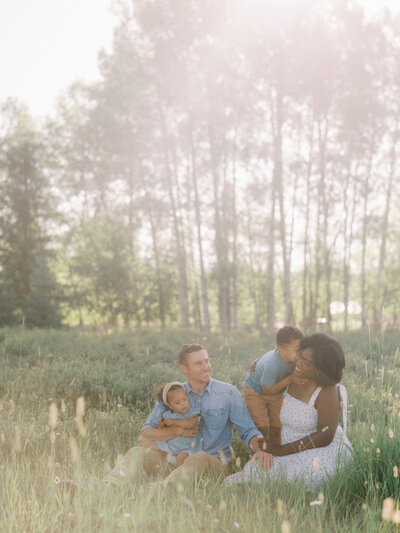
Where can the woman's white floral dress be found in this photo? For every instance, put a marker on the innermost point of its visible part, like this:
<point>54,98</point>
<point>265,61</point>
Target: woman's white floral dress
<point>299,419</point>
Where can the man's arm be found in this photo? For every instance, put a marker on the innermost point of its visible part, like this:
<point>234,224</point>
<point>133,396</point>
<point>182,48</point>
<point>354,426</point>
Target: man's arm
<point>239,415</point>
<point>165,434</point>
<point>152,431</point>
<point>184,423</point>
<point>247,430</point>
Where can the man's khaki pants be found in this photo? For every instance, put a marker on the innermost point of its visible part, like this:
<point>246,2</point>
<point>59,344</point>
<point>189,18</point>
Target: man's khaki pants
<point>140,462</point>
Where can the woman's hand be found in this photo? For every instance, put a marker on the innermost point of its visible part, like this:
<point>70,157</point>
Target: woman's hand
<point>268,446</point>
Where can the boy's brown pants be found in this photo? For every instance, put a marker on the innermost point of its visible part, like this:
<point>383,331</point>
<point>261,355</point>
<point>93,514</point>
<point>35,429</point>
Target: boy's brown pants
<point>265,411</point>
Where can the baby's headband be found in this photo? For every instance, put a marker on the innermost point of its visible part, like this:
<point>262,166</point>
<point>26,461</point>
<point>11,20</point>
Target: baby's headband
<point>167,388</point>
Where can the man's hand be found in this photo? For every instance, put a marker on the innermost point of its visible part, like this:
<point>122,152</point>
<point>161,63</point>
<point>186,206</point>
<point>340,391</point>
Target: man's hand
<point>193,432</point>
<point>191,423</point>
<point>266,459</point>
<point>296,380</point>
<point>253,365</point>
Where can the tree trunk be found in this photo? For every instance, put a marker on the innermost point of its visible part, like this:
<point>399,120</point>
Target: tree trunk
<point>180,252</point>
<point>385,224</point>
<point>204,295</point>
<point>306,274</point>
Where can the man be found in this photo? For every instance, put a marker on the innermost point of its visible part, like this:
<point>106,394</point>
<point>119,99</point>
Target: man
<point>221,406</point>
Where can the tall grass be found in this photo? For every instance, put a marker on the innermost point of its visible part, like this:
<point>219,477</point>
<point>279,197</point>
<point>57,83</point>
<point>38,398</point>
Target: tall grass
<point>117,374</point>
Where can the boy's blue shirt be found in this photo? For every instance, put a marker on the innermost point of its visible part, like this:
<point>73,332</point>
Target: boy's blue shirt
<point>270,369</point>
<point>221,405</point>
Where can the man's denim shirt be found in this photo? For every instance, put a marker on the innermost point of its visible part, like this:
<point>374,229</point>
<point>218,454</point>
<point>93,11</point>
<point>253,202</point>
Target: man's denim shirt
<point>221,406</point>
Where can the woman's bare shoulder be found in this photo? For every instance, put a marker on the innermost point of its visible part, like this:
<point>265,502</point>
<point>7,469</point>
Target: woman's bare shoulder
<point>329,394</point>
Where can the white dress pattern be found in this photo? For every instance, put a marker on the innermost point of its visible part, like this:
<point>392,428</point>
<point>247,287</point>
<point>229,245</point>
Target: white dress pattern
<point>313,466</point>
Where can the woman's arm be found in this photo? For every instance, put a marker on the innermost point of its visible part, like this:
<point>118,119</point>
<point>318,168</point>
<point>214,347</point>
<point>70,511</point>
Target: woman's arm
<point>328,407</point>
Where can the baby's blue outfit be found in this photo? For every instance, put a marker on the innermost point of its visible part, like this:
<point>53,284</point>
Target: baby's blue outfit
<point>182,444</point>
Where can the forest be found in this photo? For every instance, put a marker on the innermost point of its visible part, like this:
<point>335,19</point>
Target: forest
<point>235,165</point>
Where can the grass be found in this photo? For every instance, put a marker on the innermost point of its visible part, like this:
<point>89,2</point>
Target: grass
<point>117,374</point>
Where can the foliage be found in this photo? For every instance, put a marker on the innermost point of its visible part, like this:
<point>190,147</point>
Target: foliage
<point>117,374</point>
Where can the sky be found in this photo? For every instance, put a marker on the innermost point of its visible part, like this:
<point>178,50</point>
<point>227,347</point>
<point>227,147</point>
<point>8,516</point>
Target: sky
<point>46,45</point>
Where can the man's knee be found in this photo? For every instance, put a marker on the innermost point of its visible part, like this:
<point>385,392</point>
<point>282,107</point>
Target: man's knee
<point>204,461</point>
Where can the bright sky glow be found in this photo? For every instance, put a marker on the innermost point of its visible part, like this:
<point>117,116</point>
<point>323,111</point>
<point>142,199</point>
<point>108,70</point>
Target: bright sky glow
<point>45,45</point>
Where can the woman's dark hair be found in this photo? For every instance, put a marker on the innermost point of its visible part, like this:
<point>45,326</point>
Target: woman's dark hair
<point>159,391</point>
<point>328,357</point>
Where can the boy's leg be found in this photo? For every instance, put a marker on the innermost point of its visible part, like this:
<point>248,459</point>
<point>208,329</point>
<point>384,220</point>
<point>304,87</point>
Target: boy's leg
<point>136,464</point>
<point>180,458</point>
<point>256,405</point>
<point>274,405</point>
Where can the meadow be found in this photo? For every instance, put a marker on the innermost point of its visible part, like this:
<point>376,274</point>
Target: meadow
<point>43,372</point>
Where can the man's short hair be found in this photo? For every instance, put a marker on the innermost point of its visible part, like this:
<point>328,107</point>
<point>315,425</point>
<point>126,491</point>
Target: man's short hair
<point>288,334</point>
<point>187,349</point>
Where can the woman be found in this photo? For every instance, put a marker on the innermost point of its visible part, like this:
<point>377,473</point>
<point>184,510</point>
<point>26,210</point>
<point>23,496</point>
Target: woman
<point>313,445</point>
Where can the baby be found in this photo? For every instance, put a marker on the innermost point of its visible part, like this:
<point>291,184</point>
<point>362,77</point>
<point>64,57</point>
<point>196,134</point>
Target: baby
<point>173,396</point>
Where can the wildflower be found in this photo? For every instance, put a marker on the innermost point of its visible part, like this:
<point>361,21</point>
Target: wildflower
<point>127,515</point>
<point>236,524</point>
<point>286,527</point>
<point>396,517</point>
<point>53,415</point>
<point>73,447</point>
<point>122,473</point>
<point>378,451</point>
<point>57,480</point>
<point>372,428</point>
<point>280,506</point>
<point>80,406</point>
<point>316,462</point>
<point>371,440</point>
<point>391,434</point>
<point>315,502</point>
<point>188,502</point>
<point>387,509</point>
<point>395,471</point>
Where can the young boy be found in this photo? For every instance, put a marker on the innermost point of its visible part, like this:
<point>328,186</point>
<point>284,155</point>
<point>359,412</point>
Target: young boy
<point>263,388</point>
